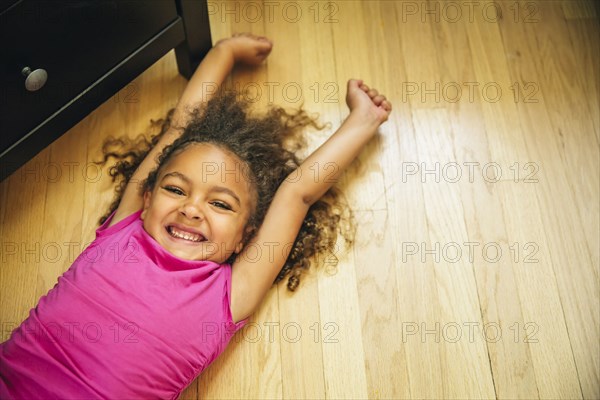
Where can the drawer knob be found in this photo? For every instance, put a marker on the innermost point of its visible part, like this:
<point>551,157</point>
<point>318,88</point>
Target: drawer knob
<point>34,79</point>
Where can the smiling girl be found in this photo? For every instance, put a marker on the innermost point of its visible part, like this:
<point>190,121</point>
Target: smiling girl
<point>173,271</point>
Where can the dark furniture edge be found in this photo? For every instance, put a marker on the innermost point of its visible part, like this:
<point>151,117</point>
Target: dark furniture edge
<point>197,32</point>
<point>189,35</point>
<point>81,106</point>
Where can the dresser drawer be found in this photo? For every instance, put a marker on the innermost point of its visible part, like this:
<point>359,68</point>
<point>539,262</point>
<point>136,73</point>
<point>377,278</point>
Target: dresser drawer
<point>75,42</point>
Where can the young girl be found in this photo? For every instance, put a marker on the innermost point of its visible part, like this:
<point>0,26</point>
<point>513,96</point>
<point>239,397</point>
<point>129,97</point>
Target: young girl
<point>207,220</point>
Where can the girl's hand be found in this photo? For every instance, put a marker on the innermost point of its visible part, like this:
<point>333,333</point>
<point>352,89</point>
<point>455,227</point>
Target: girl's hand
<point>247,48</point>
<point>367,103</point>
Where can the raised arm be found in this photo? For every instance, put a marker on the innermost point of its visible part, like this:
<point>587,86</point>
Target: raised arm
<point>252,278</point>
<point>204,84</point>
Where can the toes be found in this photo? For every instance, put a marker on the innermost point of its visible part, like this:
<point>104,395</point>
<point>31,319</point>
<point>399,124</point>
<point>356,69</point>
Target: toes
<point>364,87</point>
<point>387,106</point>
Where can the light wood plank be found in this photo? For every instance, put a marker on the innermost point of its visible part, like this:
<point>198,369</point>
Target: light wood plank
<point>454,275</point>
<point>466,165</point>
<point>21,240</point>
<point>507,145</point>
<point>568,249</point>
<point>60,247</point>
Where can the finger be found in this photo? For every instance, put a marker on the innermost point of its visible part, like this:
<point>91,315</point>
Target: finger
<point>262,38</point>
<point>378,99</point>
<point>354,84</point>
<point>265,46</point>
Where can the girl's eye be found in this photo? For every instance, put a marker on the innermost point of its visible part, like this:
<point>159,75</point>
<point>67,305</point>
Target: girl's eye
<point>222,205</point>
<point>173,190</point>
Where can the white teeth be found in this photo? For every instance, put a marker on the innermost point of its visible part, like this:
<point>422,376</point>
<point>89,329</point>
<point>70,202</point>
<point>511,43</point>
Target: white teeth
<point>184,235</point>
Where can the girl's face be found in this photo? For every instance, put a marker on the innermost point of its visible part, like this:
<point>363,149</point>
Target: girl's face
<point>200,204</point>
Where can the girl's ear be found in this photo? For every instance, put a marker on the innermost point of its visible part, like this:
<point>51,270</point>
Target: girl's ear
<point>147,197</point>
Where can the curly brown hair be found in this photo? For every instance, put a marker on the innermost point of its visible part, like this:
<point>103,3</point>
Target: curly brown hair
<point>267,144</point>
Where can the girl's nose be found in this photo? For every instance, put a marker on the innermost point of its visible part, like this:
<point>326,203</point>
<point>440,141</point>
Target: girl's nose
<point>192,210</point>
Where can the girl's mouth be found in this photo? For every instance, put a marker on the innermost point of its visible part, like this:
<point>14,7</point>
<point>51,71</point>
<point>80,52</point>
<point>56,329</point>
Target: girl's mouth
<point>183,235</point>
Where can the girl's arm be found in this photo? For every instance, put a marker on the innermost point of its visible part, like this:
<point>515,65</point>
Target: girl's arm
<point>252,278</point>
<point>203,85</point>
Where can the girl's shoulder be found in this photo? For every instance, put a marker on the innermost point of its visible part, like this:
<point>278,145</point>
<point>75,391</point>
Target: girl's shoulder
<point>116,222</point>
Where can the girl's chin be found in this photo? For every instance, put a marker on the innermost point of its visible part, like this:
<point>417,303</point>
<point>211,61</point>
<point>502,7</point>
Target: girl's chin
<point>186,250</point>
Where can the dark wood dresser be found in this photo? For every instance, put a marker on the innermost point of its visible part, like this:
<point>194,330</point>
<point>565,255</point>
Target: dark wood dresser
<point>62,59</point>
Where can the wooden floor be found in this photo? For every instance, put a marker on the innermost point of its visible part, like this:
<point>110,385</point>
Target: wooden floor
<point>475,268</point>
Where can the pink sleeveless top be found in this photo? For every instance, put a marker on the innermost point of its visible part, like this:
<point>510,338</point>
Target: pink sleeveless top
<point>126,320</point>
